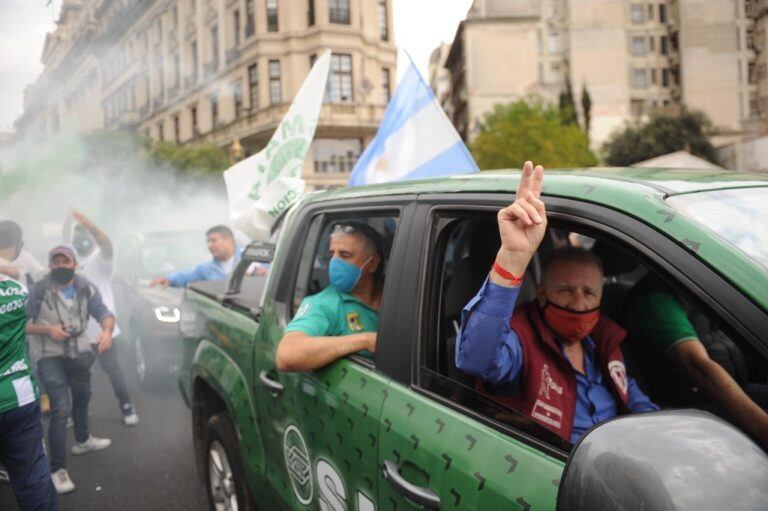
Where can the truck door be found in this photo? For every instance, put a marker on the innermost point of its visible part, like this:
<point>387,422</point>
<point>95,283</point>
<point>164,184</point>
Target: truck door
<point>321,427</point>
<point>441,443</point>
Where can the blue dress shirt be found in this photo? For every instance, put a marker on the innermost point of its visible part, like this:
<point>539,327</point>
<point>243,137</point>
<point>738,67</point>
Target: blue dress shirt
<point>489,349</point>
<point>209,270</point>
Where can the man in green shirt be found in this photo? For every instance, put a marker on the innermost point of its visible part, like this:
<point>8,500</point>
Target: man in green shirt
<point>21,429</point>
<point>659,322</point>
<point>344,317</point>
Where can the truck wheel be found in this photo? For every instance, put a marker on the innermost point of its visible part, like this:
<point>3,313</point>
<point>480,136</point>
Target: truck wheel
<point>223,469</point>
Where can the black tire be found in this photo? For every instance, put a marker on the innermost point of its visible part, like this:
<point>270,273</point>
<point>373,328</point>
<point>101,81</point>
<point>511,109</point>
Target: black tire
<point>225,485</point>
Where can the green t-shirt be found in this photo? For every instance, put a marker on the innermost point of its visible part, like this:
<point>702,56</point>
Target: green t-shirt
<point>331,313</point>
<point>17,387</point>
<point>657,317</point>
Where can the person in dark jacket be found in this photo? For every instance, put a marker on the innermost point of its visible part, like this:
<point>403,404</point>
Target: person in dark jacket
<point>555,359</point>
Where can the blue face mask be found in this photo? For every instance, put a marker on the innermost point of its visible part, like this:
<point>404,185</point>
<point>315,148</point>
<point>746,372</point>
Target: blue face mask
<point>344,275</point>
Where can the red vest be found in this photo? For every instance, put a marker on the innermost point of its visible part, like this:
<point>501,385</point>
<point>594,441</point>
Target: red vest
<point>548,382</point>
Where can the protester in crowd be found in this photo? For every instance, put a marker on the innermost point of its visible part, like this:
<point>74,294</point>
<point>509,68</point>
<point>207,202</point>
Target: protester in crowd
<point>21,428</point>
<point>60,306</point>
<point>661,325</point>
<point>226,255</point>
<point>14,261</point>
<point>95,256</point>
<point>344,317</point>
<point>554,359</point>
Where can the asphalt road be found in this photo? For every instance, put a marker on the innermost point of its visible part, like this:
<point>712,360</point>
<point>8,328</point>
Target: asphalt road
<point>147,467</point>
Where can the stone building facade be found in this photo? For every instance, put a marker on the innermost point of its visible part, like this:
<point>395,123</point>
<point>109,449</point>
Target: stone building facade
<point>218,71</point>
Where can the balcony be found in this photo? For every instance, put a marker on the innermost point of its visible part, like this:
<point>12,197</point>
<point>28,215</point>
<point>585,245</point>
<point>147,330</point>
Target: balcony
<point>232,55</point>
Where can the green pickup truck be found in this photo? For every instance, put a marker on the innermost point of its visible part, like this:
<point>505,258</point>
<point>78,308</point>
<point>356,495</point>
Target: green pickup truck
<point>406,429</point>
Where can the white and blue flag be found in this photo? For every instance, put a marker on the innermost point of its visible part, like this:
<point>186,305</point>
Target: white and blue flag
<point>415,139</point>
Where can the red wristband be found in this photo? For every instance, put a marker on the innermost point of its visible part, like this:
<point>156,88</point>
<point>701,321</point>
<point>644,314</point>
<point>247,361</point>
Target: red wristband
<point>516,281</point>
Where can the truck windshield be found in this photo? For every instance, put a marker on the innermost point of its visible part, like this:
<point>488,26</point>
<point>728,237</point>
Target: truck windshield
<point>162,256</point>
<point>740,216</point>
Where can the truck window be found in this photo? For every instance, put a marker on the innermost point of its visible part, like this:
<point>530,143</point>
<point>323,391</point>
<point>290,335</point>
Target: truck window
<point>463,248</point>
<point>312,275</point>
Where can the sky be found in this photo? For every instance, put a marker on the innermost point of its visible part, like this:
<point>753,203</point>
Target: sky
<point>24,23</point>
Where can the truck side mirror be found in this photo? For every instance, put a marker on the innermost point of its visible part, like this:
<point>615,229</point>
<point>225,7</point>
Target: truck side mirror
<point>669,460</point>
<point>256,252</point>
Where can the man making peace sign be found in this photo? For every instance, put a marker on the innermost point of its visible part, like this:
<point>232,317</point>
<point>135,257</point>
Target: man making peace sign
<point>554,359</point>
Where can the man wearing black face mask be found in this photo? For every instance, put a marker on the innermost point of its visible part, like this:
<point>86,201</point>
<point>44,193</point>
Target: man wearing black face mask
<point>95,261</point>
<point>555,359</point>
<point>60,306</point>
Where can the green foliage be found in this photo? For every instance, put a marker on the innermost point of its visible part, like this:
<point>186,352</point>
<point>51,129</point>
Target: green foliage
<point>586,108</point>
<point>206,158</point>
<point>568,105</point>
<point>530,130</point>
<point>662,134</point>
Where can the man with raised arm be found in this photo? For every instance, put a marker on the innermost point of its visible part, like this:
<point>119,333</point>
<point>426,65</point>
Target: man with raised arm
<point>554,359</point>
<point>344,317</point>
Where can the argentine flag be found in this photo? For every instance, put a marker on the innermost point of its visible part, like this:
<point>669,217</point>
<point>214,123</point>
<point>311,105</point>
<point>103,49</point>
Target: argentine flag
<point>415,139</point>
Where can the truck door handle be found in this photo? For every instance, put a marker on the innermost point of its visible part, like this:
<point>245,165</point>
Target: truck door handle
<point>272,385</point>
<point>416,494</point>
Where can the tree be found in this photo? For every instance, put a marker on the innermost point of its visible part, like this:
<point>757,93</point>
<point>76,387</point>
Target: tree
<point>530,130</point>
<point>568,105</point>
<point>586,107</point>
<point>662,134</point>
<point>206,158</point>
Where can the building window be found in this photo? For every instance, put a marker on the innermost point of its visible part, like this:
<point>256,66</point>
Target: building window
<point>237,94</point>
<point>338,11</point>
<point>214,47</point>
<point>554,42</point>
<point>193,63</point>
<point>275,90</point>
<point>665,77</point>
<point>160,132</point>
<point>637,13</point>
<point>651,44</point>
<point>654,77</point>
<point>639,78</point>
<point>192,5</point>
<point>750,39</point>
<point>754,105</point>
<point>638,46</point>
<point>253,85</point>
<point>637,107</point>
<point>675,72</point>
<point>311,13</point>
<point>193,117</point>
<point>175,16</point>
<point>176,70</point>
<point>650,11</point>
<point>250,18</point>
<point>752,72</point>
<point>386,85</point>
<point>673,41</point>
<point>748,8</point>
<point>272,21</point>
<point>664,45</point>
<point>176,129</point>
<point>662,13</point>
<point>214,111</point>
<point>383,25</point>
<point>236,25</point>
<point>335,155</point>
<point>341,78</point>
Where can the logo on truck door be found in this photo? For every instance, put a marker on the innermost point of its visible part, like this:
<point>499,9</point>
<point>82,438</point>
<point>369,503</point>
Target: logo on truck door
<point>298,464</point>
<point>331,491</point>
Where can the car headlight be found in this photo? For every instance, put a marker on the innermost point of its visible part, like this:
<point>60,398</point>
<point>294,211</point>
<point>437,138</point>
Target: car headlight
<point>168,314</point>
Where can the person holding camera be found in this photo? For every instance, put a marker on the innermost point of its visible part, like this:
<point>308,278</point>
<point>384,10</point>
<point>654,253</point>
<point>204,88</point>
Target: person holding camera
<point>60,306</point>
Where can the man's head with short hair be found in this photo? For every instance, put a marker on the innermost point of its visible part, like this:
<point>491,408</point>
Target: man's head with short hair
<point>572,278</point>
<point>10,239</point>
<point>221,242</point>
<point>358,244</point>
